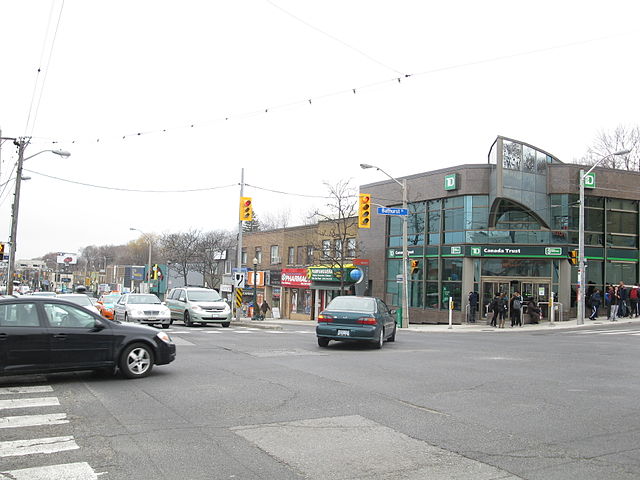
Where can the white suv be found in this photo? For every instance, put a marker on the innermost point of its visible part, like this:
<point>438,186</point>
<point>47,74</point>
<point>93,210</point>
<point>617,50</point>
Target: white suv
<point>198,305</point>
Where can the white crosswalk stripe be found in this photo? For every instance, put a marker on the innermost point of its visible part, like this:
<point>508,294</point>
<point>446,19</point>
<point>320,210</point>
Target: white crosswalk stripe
<point>33,420</point>
<point>67,471</point>
<point>45,445</point>
<point>607,332</point>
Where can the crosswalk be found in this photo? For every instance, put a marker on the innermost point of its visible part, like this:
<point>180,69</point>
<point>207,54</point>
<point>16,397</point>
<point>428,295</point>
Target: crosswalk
<point>43,449</point>
<point>237,331</point>
<point>606,332</point>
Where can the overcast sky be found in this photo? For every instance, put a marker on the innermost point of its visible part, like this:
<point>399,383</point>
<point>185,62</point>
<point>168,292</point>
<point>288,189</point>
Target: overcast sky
<point>551,73</point>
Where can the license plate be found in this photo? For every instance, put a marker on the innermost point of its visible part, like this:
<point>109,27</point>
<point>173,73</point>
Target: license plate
<point>343,333</point>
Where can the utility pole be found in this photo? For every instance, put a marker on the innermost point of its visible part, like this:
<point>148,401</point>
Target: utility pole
<point>21,144</point>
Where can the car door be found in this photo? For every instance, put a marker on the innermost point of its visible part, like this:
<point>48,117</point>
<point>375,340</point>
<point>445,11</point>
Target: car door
<point>172,303</point>
<point>120,307</point>
<point>387,318</point>
<point>24,343</point>
<point>77,338</point>
<point>179,303</point>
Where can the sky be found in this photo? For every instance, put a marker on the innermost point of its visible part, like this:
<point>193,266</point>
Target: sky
<point>178,96</point>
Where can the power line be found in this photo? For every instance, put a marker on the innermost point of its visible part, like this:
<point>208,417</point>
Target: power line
<point>285,193</point>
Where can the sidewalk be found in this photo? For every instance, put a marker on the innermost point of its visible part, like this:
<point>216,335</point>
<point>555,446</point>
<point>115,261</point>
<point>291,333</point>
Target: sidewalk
<point>276,324</point>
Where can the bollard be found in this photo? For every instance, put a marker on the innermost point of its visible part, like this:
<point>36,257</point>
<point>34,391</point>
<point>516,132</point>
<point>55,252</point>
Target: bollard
<point>551,311</point>
<point>450,312</point>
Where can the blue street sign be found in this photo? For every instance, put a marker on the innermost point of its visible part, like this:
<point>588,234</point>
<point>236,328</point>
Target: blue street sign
<point>392,211</point>
<point>240,270</point>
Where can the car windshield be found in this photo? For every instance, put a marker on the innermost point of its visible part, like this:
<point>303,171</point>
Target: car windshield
<point>82,300</point>
<point>140,299</point>
<point>44,294</point>
<point>110,298</point>
<point>352,304</point>
<point>204,296</point>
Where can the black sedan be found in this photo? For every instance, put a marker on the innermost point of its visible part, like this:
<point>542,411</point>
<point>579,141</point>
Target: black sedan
<point>42,335</point>
<point>349,318</point>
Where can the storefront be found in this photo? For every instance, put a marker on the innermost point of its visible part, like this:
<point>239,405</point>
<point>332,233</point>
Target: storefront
<point>504,226</point>
<point>296,297</point>
<point>329,282</point>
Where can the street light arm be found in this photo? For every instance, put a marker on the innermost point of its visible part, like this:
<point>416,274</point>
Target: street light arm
<point>615,154</point>
<point>61,153</point>
<point>366,165</point>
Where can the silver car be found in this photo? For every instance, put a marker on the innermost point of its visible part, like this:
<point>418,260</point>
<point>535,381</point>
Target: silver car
<point>198,305</point>
<point>79,299</point>
<point>142,308</point>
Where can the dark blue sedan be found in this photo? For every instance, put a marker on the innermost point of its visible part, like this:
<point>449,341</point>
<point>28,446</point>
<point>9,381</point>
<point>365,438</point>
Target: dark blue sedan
<point>349,318</point>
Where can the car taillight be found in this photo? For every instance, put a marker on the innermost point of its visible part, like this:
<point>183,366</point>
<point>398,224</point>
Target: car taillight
<point>324,318</point>
<point>367,321</point>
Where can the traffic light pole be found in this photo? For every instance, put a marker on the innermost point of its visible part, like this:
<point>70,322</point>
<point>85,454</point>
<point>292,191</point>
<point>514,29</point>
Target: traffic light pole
<point>239,248</point>
<point>22,144</point>
<point>405,259</point>
<point>581,259</point>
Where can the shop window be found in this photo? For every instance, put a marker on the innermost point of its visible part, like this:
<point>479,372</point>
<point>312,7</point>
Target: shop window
<point>394,268</point>
<point>453,290</point>
<point>394,291</point>
<point>452,269</point>
<point>431,270</point>
<point>622,271</point>
<point>416,294</point>
<point>621,222</point>
<point>431,295</point>
<point>516,267</point>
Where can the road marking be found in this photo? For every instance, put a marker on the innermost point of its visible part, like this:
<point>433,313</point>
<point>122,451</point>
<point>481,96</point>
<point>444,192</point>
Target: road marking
<point>241,331</point>
<point>182,341</point>
<point>15,390</point>
<point>66,471</point>
<point>304,331</point>
<point>17,448</point>
<point>33,420</point>
<point>29,402</point>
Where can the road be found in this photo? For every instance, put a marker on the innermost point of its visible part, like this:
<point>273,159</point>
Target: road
<point>248,403</point>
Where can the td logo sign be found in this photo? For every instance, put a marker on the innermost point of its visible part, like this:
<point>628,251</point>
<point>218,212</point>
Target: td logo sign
<point>590,180</point>
<point>451,182</point>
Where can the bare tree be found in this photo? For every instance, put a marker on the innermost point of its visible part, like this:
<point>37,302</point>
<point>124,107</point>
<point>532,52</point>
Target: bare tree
<point>607,143</point>
<point>213,248</point>
<point>337,225</point>
<point>279,219</point>
<point>182,250</point>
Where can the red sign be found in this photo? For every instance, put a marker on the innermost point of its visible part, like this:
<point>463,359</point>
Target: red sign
<point>295,277</point>
<point>360,261</point>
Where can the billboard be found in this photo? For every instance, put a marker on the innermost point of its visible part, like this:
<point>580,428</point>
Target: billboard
<point>67,258</point>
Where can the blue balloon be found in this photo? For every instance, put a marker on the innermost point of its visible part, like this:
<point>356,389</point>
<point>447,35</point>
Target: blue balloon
<point>355,274</point>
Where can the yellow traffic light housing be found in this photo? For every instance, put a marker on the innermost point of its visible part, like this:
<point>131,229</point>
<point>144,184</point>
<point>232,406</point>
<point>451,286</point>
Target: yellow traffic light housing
<point>415,266</point>
<point>573,257</point>
<point>364,211</point>
<point>1,249</point>
<point>246,209</point>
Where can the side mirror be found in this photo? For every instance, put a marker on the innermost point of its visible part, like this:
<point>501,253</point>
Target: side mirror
<point>98,326</point>
<point>163,303</point>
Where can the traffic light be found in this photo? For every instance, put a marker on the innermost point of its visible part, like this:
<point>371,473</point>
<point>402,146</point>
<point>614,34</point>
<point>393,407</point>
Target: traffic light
<point>1,250</point>
<point>246,209</point>
<point>154,272</point>
<point>364,211</point>
<point>573,257</point>
<point>415,265</point>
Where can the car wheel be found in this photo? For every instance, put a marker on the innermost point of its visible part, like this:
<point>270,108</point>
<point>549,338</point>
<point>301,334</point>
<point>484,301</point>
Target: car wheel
<point>323,342</point>
<point>165,325</point>
<point>380,339</point>
<point>392,338</point>
<point>136,361</point>
<point>187,319</point>
<point>226,324</point>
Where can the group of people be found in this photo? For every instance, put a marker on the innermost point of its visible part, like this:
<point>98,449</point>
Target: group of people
<point>501,305</point>
<point>619,301</point>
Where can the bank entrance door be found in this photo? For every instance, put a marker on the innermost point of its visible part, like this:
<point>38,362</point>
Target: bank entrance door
<point>536,288</point>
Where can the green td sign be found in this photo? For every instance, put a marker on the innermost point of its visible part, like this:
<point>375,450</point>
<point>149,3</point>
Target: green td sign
<point>451,182</point>
<point>590,180</point>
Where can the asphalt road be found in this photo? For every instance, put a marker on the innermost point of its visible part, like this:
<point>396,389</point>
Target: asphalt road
<point>270,404</point>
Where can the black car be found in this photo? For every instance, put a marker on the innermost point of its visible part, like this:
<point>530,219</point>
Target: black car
<point>349,318</point>
<point>41,335</point>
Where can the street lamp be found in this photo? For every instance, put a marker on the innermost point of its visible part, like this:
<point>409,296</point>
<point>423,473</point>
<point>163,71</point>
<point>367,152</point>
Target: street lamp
<point>255,288</point>
<point>581,259</point>
<point>405,248</point>
<point>148,239</point>
<point>21,143</point>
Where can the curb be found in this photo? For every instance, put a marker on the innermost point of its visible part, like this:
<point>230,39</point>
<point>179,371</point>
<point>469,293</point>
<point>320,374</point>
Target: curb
<point>255,324</point>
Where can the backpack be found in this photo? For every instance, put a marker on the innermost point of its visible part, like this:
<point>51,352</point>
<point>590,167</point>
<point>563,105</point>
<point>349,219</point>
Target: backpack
<point>517,304</point>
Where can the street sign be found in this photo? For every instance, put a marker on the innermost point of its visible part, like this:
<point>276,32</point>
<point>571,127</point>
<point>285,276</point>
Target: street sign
<point>243,269</point>
<point>238,280</point>
<point>399,278</point>
<point>393,211</point>
<point>553,251</point>
<point>590,180</point>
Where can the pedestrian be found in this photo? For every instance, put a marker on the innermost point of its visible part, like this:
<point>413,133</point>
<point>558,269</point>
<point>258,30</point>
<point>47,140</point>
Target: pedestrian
<point>534,311</point>
<point>515,305</point>
<point>473,306</point>
<point>623,305</point>
<point>504,303</point>
<point>264,308</point>
<point>607,300</point>
<point>595,304</point>
<point>495,306</point>
<point>615,303</point>
<point>633,300</point>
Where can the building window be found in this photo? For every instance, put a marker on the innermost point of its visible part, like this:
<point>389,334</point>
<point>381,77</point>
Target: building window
<point>326,248</point>
<point>259,254</point>
<point>351,247</point>
<point>275,254</point>
<point>291,257</point>
<point>338,249</point>
<point>301,255</point>
<point>243,256</point>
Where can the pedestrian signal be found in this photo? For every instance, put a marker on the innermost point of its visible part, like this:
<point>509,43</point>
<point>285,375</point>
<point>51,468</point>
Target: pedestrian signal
<point>246,209</point>
<point>573,257</point>
<point>364,211</point>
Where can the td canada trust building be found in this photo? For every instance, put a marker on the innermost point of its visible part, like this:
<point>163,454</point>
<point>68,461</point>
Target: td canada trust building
<point>504,225</point>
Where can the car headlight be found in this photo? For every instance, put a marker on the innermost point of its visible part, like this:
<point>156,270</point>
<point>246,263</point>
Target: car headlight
<point>197,308</point>
<point>164,337</point>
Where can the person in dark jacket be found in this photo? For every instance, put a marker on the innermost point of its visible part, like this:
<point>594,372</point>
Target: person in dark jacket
<point>264,308</point>
<point>595,304</point>
<point>515,308</point>
<point>534,311</point>
<point>496,308</point>
<point>473,306</point>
